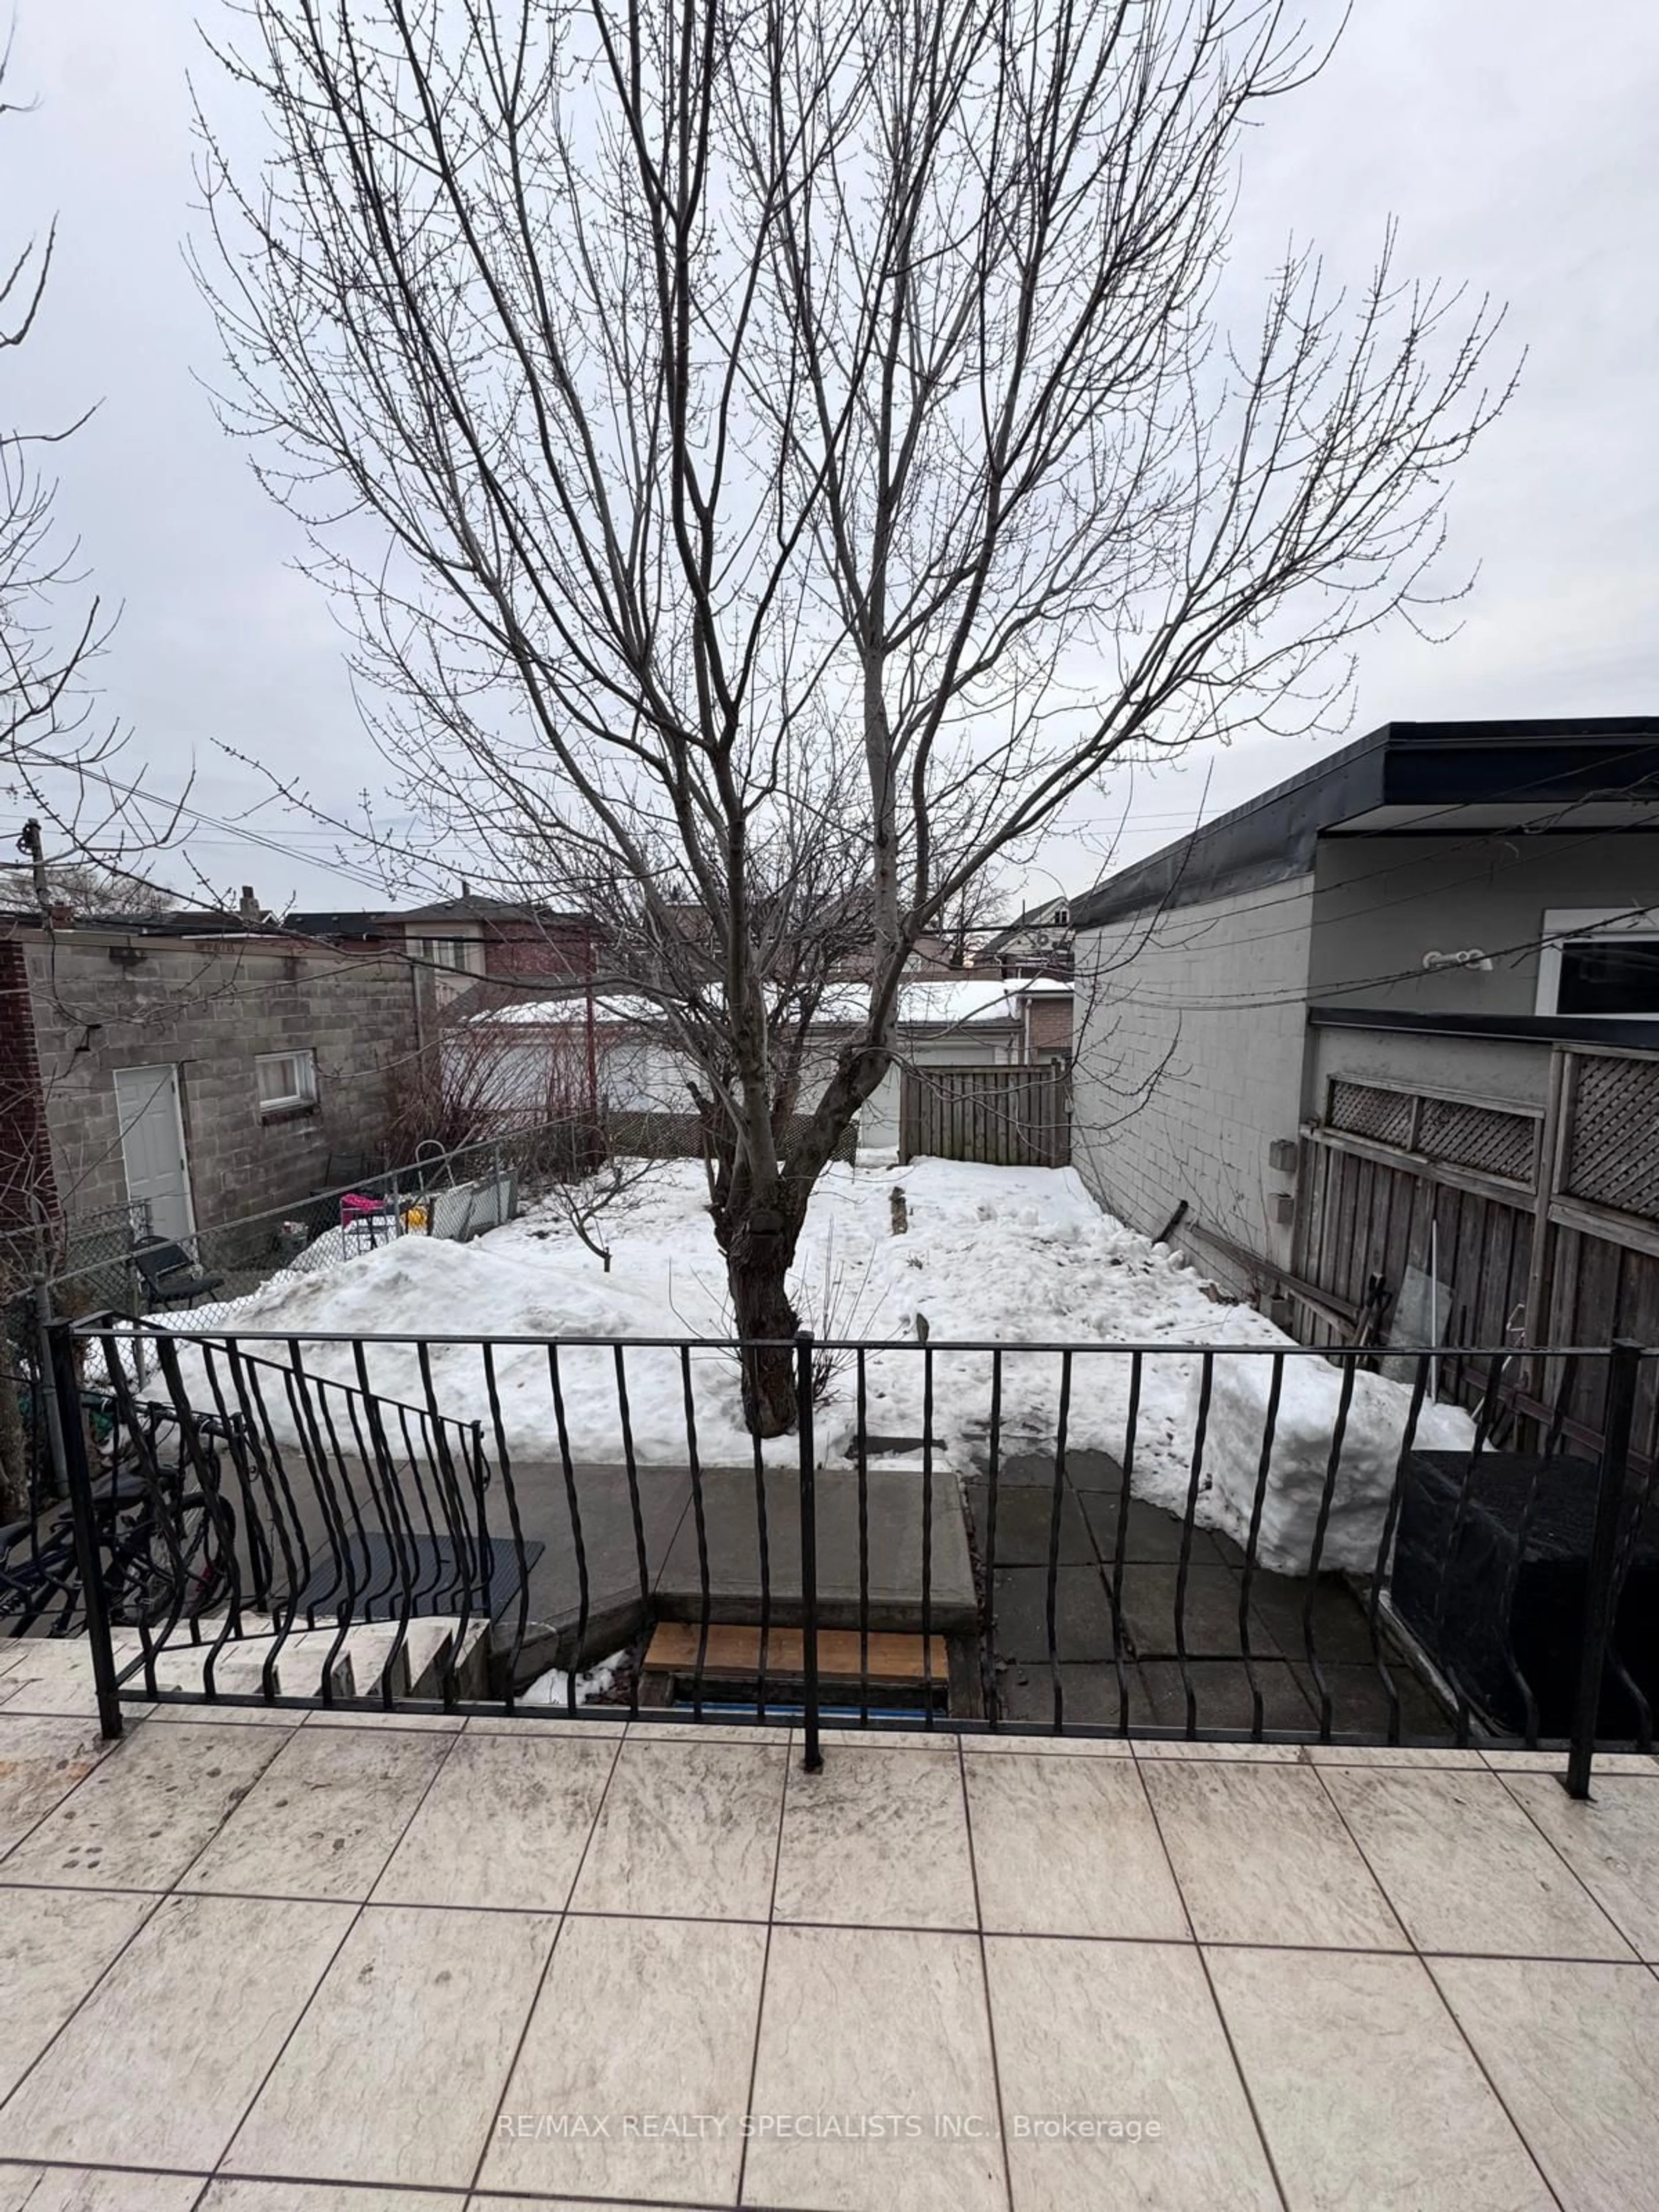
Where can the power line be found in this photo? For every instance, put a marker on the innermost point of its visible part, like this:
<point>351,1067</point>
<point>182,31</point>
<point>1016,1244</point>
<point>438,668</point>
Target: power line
<point>1245,1002</point>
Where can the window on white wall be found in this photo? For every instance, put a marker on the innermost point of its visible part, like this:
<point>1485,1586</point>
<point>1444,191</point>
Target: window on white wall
<point>444,952</point>
<point>286,1079</point>
<point>1600,961</point>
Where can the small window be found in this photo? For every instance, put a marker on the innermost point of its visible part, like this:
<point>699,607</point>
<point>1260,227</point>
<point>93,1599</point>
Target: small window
<point>443,951</point>
<point>1609,975</point>
<point>1603,964</point>
<point>286,1079</point>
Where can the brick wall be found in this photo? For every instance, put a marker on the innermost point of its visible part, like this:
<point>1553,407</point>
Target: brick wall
<point>25,1152</point>
<point>210,1007</point>
<point>1050,1024</point>
<point>1185,1070</point>
<point>524,949</point>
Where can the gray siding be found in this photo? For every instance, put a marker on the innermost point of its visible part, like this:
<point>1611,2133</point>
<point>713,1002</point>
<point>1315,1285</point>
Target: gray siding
<point>1383,902</point>
<point>1501,1071</point>
<point>1214,996</point>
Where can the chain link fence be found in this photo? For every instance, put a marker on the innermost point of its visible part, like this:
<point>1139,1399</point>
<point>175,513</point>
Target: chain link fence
<point>111,1263</point>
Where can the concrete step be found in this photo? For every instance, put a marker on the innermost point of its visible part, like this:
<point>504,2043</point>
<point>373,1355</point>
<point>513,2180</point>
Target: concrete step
<point>356,1671</point>
<point>239,1668</point>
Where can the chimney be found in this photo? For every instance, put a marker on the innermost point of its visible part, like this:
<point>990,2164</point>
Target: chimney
<point>250,911</point>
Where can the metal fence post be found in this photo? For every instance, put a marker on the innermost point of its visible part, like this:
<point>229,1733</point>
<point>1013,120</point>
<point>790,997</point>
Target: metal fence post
<point>69,1451</point>
<point>1624,1366</point>
<point>809,1553</point>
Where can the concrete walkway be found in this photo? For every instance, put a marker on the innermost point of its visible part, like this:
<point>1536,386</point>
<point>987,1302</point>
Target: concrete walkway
<point>358,1966</point>
<point>654,1569</point>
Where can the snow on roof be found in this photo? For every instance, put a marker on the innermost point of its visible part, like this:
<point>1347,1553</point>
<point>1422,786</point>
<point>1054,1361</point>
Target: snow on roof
<point>956,1003</point>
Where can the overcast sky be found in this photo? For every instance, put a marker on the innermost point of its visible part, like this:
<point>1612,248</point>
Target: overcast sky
<point>1512,138</point>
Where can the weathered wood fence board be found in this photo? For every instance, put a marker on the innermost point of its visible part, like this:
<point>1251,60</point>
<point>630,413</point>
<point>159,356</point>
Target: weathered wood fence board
<point>1537,1228</point>
<point>1001,1116</point>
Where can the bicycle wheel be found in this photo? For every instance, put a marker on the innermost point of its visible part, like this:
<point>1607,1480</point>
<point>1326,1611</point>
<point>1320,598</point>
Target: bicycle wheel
<point>145,1584</point>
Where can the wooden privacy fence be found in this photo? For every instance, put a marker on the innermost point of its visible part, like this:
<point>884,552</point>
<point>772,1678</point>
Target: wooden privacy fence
<point>1485,1222</point>
<point>1017,1117</point>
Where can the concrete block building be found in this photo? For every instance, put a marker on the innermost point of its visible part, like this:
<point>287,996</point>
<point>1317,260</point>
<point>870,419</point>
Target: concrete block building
<point>1383,1043</point>
<point>205,1072</point>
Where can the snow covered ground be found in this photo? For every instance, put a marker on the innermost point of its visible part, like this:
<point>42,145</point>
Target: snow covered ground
<point>1008,1255</point>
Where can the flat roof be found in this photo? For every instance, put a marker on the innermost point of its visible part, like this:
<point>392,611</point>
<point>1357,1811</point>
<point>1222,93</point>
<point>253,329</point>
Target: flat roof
<point>1401,781</point>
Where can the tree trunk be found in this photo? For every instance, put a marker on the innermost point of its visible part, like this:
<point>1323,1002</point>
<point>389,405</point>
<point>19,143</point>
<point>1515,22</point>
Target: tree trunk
<point>13,1448</point>
<point>758,1229</point>
<point>758,1259</point>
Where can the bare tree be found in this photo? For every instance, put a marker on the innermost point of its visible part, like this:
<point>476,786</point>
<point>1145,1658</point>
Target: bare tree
<point>775,457</point>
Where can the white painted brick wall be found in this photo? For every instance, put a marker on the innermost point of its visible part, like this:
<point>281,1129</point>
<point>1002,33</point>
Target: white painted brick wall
<point>1185,1073</point>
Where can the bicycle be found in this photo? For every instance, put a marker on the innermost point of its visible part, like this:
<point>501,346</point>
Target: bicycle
<point>165,1546</point>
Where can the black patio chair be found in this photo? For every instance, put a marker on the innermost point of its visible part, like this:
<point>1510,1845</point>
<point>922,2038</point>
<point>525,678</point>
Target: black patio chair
<point>170,1276</point>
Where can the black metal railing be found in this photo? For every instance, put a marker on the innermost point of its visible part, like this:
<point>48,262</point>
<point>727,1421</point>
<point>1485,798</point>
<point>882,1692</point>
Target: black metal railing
<point>1236,1541</point>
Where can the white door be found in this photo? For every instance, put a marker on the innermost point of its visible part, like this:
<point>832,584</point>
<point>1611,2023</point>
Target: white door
<point>153,1146</point>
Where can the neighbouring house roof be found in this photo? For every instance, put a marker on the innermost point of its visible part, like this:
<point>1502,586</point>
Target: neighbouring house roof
<point>349,924</point>
<point>474,906</point>
<point>1029,918</point>
<point>300,932</point>
<point>1406,779</point>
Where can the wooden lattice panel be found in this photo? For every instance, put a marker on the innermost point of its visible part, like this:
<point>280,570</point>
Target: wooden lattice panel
<point>1364,1110</point>
<point>1483,1138</point>
<point>1612,1151</point>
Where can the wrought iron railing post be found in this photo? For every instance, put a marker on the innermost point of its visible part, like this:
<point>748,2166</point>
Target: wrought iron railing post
<point>1624,1366</point>
<point>68,1440</point>
<point>813,1761</point>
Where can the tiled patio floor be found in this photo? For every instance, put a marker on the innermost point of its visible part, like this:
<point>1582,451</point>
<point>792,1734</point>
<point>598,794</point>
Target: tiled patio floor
<point>256,1966</point>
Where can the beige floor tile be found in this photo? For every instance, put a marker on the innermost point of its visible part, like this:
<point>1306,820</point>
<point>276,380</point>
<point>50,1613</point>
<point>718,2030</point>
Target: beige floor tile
<point>53,1674</point>
<point>879,1838</point>
<point>857,1739</point>
<point>79,2189</point>
<point>1258,1755</point>
<point>1069,1847</point>
<point>1466,1869</point>
<point>1611,1843</point>
<point>54,1944</point>
<point>40,1762</point>
<point>1262,1856</point>
<point>1570,2049</point>
<point>221,1715</point>
<point>376,1716</point>
<point>147,1809</point>
<point>542,1798</point>
<point>1367,2094</point>
<point>225,2196</point>
<point>1390,1754</point>
<point>396,2072</point>
<point>538,2204</point>
<point>754,1736</point>
<point>1074,1746</point>
<point>159,2065</point>
<point>876,2041</point>
<point>1125,2036</point>
<point>324,1817</point>
<point>499,1724</point>
<point>689,1829</point>
<point>639,2022</point>
<point>1642,1763</point>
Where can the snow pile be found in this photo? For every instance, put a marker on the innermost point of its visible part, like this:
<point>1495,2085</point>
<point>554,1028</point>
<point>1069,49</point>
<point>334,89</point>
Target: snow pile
<point>1017,1257</point>
<point>1304,1428</point>
<point>553,1688</point>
